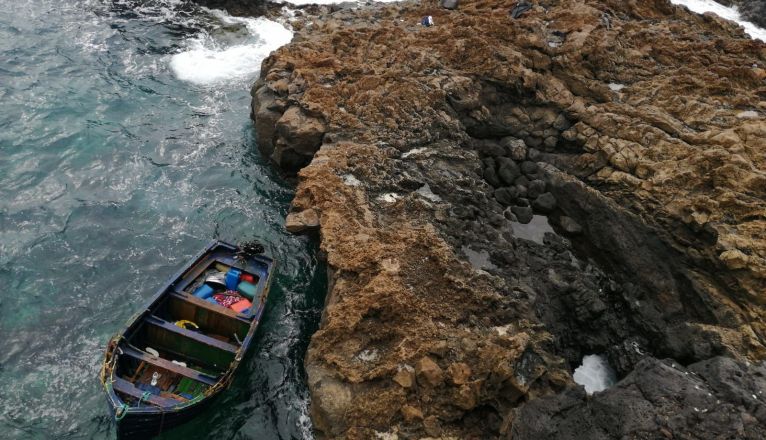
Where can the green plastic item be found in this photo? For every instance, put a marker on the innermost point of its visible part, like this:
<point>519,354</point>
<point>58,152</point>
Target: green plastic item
<point>189,386</point>
<point>246,289</point>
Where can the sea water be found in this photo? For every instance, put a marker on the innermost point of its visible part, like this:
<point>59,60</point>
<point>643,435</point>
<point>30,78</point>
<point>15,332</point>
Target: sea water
<point>595,374</point>
<point>727,12</point>
<point>125,147</point>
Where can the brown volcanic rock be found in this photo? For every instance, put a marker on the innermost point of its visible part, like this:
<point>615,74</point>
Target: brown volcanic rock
<point>646,124</point>
<point>382,315</point>
<point>297,222</point>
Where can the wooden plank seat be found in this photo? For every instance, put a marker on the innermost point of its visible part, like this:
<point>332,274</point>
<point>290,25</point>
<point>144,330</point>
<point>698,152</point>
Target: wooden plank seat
<point>201,303</point>
<point>170,366</point>
<point>123,386</point>
<point>198,337</point>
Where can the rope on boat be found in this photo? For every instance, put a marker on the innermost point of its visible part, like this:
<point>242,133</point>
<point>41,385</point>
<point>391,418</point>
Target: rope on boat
<point>124,412</point>
<point>144,397</point>
<point>109,367</point>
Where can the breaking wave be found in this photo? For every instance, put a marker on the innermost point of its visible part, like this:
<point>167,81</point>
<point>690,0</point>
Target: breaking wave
<point>207,61</point>
<point>702,6</point>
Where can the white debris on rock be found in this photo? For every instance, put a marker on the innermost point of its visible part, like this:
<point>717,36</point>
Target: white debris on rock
<point>503,329</point>
<point>389,197</point>
<point>426,192</point>
<point>615,87</point>
<point>414,151</point>
<point>386,435</point>
<point>749,114</point>
<point>350,180</point>
<point>368,355</point>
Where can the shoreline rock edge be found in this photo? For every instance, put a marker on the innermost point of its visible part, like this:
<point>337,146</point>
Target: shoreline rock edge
<point>637,130</point>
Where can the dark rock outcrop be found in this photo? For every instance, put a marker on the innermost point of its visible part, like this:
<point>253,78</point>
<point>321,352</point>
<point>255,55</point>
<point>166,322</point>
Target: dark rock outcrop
<point>716,398</point>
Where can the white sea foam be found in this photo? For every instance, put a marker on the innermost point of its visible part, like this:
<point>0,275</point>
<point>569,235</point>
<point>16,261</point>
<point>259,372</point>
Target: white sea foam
<point>207,62</point>
<point>595,374</point>
<point>330,2</point>
<point>702,6</point>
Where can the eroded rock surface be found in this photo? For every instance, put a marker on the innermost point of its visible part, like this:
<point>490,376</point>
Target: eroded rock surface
<point>427,153</point>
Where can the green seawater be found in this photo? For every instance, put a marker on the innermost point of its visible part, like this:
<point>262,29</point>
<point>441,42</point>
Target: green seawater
<point>113,173</point>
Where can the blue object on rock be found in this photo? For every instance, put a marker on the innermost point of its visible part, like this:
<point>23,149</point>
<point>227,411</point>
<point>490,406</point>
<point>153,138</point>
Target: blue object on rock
<point>427,21</point>
<point>232,278</point>
<point>204,291</point>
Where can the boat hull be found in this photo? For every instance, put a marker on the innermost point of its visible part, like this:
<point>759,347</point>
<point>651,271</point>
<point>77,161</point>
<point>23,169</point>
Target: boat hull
<point>147,415</point>
<point>135,425</point>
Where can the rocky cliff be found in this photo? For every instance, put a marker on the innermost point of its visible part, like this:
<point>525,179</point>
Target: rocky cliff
<point>432,159</point>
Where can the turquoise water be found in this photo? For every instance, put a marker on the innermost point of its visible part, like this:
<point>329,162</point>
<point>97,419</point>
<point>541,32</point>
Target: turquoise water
<point>113,172</point>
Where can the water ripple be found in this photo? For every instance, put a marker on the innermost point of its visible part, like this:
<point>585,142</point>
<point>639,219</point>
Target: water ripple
<point>113,172</point>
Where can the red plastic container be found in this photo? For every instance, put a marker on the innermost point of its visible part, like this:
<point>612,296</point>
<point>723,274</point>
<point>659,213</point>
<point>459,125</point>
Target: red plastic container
<point>241,305</point>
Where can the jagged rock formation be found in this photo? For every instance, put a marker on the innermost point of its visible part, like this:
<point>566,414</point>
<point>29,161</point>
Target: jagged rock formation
<point>716,398</point>
<point>637,128</point>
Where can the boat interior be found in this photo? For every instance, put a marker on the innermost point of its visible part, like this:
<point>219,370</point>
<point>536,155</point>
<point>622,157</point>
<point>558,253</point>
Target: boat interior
<point>191,334</point>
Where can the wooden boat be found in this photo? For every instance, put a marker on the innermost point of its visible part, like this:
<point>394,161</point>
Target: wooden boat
<point>176,355</point>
